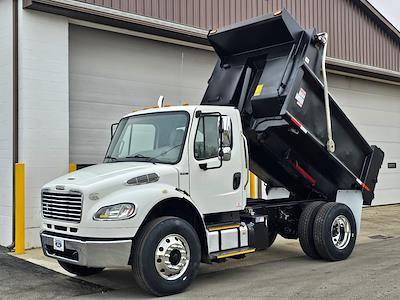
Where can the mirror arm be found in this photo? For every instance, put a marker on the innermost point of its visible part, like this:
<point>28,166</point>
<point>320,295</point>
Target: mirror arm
<point>203,166</point>
<point>221,130</point>
<point>112,129</point>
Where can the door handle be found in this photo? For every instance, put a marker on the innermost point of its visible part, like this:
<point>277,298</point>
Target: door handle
<point>236,180</point>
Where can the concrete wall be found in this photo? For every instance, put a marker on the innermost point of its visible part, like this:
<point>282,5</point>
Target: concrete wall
<point>6,104</point>
<point>43,107</point>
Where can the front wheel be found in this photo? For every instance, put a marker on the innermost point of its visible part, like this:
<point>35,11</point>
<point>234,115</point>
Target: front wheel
<point>79,270</point>
<point>335,231</point>
<point>166,256</point>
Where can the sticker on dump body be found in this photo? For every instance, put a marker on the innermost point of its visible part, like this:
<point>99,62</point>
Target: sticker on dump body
<point>258,90</point>
<point>300,96</point>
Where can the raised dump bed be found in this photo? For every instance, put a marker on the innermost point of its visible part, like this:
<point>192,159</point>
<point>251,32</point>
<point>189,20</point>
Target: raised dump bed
<point>269,68</point>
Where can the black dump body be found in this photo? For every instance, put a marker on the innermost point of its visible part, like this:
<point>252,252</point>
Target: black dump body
<point>269,69</point>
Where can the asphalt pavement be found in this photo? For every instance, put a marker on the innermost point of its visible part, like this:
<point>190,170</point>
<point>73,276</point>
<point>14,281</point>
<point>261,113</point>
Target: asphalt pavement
<point>372,272</point>
<point>283,271</point>
<point>20,279</point>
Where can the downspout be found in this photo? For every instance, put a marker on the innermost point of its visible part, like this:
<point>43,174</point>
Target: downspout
<point>15,107</point>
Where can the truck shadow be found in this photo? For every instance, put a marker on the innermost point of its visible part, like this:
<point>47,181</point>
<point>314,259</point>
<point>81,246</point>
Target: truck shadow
<point>122,279</point>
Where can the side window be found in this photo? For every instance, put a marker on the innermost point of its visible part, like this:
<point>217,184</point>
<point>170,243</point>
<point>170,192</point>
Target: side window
<point>206,144</point>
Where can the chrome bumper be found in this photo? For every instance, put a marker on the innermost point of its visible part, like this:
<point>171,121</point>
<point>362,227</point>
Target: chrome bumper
<point>88,253</point>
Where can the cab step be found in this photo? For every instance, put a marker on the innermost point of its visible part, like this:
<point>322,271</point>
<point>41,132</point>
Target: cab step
<point>222,227</point>
<point>232,252</point>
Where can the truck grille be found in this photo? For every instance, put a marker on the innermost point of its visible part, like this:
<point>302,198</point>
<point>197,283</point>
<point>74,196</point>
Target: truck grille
<point>62,206</point>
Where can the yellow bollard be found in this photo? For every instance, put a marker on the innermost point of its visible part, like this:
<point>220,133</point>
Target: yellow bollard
<point>253,186</point>
<point>19,208</point>
<point>72,168</point>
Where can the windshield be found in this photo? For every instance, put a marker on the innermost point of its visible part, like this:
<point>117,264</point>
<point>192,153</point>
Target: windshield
<point>153,137</point>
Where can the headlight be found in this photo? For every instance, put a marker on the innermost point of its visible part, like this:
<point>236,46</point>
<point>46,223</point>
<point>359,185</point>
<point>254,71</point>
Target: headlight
<point>120,211</point>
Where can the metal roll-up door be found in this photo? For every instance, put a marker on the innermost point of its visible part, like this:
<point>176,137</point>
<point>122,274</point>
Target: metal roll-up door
<point>374,108</point>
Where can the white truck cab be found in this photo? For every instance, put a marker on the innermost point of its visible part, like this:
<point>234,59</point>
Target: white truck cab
<point>160,162</point>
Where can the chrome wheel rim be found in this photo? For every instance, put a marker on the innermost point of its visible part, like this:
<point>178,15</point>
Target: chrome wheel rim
<point>172,257</point>
<point>341,232</point>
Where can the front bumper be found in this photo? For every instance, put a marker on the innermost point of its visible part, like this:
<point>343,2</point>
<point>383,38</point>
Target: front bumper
<point>93,253</point>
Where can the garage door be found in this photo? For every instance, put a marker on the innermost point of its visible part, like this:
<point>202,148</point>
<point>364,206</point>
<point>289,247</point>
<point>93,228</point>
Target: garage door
<point>112,74</point>
<point>375,109</point>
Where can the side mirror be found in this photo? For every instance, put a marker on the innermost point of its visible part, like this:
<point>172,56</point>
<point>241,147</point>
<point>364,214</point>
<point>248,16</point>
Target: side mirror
<point>225,128</point>
<point>226,131</point>
<point>113,129</point>
<point>226,153</point>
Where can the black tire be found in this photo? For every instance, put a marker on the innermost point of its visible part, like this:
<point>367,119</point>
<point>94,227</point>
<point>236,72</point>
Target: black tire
<point>79,270</point>
<point>306,226</point>
<point>323,232</point>
<point>271,237</point>
<point>144,251</point>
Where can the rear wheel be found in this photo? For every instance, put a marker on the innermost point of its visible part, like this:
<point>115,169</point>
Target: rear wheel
<point>335,231</point>
<point>166,256</point>
<point>306,226</point>
<point>79,270</point>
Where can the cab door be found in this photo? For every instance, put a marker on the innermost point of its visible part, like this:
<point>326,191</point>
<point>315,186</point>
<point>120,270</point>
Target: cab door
<point>217,184</point>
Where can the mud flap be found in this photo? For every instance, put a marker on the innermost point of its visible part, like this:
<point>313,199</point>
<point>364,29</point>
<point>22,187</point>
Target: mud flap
<point>354,200</point>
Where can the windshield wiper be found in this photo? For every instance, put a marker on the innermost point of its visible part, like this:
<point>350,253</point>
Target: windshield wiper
<point>111,158</point>
<point>165,152</point>
<point>138,156</point>
<point>152,159</point>
<point>141,156</point>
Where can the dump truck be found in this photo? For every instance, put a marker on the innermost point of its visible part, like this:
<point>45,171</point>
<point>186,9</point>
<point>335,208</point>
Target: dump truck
<point>172,191</point>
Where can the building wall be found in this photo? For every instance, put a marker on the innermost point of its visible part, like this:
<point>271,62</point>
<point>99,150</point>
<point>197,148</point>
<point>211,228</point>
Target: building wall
<point>43,107</point>
<point>44,111</point>
<point>6,133</point>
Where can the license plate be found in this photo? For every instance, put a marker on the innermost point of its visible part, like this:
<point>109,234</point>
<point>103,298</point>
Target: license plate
<point>58,244</point>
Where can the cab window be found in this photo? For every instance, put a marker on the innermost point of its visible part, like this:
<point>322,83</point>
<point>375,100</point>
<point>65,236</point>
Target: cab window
<point>154,137</point>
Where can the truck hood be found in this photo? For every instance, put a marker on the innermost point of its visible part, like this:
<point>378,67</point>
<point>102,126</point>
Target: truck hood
<point>113,174</point>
